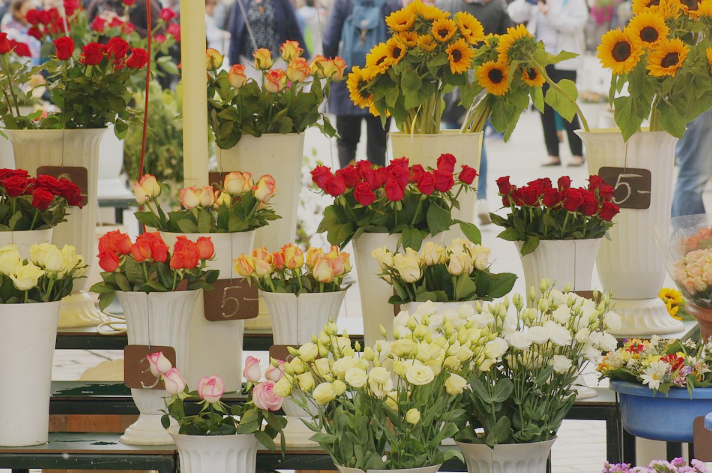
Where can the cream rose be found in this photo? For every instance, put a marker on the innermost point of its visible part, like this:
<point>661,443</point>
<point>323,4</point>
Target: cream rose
<point>339,387</point>
<point>324,393</point>
<point>409,266</point>
<point>10,260</point>
<point>496,348</point>
<point>419,375</point>
<point>379,375</point>
<point>26,277</point>
<point>412,416</point>
<point>356,377</point>
<point>561,364</point>
<point>433,254</point>
<point>306,382</point>
<point>519,340</point>
<point>455,384</point>
<point>480,257</point>
<point>384,258</point>
<point>308,352</point>
<point>404,347</point>
<point>283,387</point>
<point>342,365</point>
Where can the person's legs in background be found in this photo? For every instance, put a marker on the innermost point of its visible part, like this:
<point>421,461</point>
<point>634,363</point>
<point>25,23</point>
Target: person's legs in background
<point>349,130</point>
<point>376,138</point>
<point>575,143</point>
<point>694,159</point>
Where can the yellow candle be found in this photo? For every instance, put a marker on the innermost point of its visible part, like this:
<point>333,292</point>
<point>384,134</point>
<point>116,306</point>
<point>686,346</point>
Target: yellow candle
<point>195,95</point>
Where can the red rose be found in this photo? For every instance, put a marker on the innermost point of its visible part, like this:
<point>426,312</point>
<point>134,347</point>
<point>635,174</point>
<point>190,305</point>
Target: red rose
<point>400,174</point>
<point>504,185</point>
<point>21,49</point>
<point>118,48</point>
<point>65,48</point>
<point>71,6</point>
<point>5,45</point>
<point>108,261</point>
<point>540,184</point>
<point>552,197</point>
<point>363,166</point>
<point>373,178</point>
<point>159,38</point>
<point>505,201</point>
<point>444,180</point>
<point>150,245</point>
<point>92,54</point>
<point>335,186</point>
<point>167,15</point>
<point>6,173</point>
<point>349,175</point>
<point>115,242</point>
<point>416,171</point>
<point>44,16</point>
<point>33,17</point>
<point>394,191</point>
<point>383,174</point>
<point>138,58</point>
<point>206,247</point>
<point>468,174</point>
<point>129,3</point>
<point>426,184</point>
<point>128,28</point>
<point>42,198</point>
<point>606,192</point>
<point>174,29</point>
<point>35,33</point>
<point>564,182</point>
<point>363,194</point>
<point>595,182</point>
<point>399,163</point>
<point>320,175</point>
<point>446,162</point>
<point>49,183</point>
<point>116,22</point>
<point>608,211</point>
<point>72,194</point>
<point>590,204</point>
<point>527,195</point>
<point>15,185</point>
<point>573,199</point>
<point>186,254</point>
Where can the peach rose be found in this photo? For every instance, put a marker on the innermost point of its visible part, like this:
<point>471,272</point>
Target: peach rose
<point>236,77</point>
<point>263,59</point>
<point>275,81</point>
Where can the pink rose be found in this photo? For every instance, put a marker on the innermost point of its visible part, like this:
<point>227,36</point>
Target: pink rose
<point>275,374</point>
<point>211,388</point>
<point>264,397</point>
<point>174,381</point>
<point>159,364</point>
<point>252,370</point>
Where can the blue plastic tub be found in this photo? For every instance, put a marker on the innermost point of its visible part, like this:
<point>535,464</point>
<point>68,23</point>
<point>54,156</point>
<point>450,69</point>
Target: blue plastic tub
<point>658,416</point>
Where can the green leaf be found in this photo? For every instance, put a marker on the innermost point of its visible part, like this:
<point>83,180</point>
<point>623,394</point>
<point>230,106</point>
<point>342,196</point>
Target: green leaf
<point>511,234</point>
<point>560,102</point>
<point>531,242</point>
<point>438,218</point>
<point>187,226</point>
<point>500,432</point>
<point>412,238</point>
<point>472,233</point>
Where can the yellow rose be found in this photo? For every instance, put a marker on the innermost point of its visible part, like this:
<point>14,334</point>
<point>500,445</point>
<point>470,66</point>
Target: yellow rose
<point>323,271</point>
<point>436,365</point>
<point>419,375</point>
<point>408,265</point>
<point>412,416</point>
<point>290,50</point>
<point>263,59</point>
<point>455,384</point>
<point>213,59</point>
<point>308,352</point>
<point>356,377</point>
<point>322,366</point>
<point>47,256</point>
<point>391,400</point>
<point>433,254</point>
<point>26,277</point>
<point>306,382</point>
<point>383,257</point>
<point>245,265</point>
<point>283,387</point>
<point>236,77</point>
<point>10,259</point>
<point>339,387</point>
<point>298,366</point>
<point>149,184</point>
<point>324,393</point>
<point>313,255</point>
<point>71,260</point>
<point>293,256</point>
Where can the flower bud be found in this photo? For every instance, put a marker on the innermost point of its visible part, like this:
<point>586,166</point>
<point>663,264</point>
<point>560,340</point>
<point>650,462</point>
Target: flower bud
<point>544,285</point>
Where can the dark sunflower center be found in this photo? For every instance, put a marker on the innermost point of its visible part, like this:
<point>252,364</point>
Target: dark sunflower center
<point>621,51</point>
<point>691,4</point>
<point>380,60</point>
<point>531,74</point>
<point>654,3</point>
<point>671,59</point>
<point>495,76</point>
<point>442,33</point>
<point>397,52</point>
<point>456,55</point>
<point>361,89</point>
<point>649,34</point>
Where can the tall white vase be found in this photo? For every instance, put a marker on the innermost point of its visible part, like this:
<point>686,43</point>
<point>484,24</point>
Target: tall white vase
<point>279,155</point>
<point>216,347</point>
<point>25,239</point>
<point>424,469</point>
<point>27,339</point>
<point>294,321</point>
<point>216,453</point>
<point>162,319</point>
<point>71,148</point>
<point>506,458</point>
<point>411,307</point>
<point>630,264</point>
<point>426,149</point>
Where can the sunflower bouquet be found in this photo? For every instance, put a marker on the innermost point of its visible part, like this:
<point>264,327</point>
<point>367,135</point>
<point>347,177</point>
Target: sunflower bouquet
<point>663,56</point>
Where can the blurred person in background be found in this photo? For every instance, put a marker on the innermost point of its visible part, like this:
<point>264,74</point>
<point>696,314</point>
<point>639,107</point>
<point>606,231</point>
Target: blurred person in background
<point>15,24</point>
<point>218,38</point>
<point>313,18</point>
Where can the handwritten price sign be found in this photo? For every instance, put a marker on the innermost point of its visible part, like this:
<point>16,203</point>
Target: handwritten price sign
<point>231,299</point>
<point>631,185</point>
<point>137,374</point>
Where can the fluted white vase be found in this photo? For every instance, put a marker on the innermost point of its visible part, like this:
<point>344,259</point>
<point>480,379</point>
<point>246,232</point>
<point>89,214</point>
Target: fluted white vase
<point>216,453</point>
<point>630,264</point>
<point>70,148</point>
<point>411,307</point>
<point>161,319</point>
<point>216,347</point>
<point>424,469</point>
<point>25,239</point>
<point>507,458</point>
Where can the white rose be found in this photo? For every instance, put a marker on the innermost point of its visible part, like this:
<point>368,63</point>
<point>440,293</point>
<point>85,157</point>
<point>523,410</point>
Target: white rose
<point>455,384</point>
<point>595,339</point>
<point>582,335</point>
<point>356,377</point>
<point>324,393</point>
<point>592,353</point>
<point>401,319</point>
<point>71,260</point>
<point>456,264</point>
<point>419,375</point>
<point>558,298</point>
<point>519,340</point>
<point>482,320</point>
<point>433,254</point>
<point>308,352</point>
<point>561,364</point>
<point>496,348</point>
<point>26,277</point>
<point>612,321</point>
<point>401,332</point>
<point>383,348</point>
<point>464,354</point>
<point>465,311</point>
<point>343,364</point>
<point>38,253</point>
<point>383,257</point>
<point>408,266</point>
<point>453,317</point>
<point>436,322</point>
<point>379,375</point>
<point>608,342</point>
<point>562,315</point>
<point>10,260</point>
<point>428,308</point>
<point>538,335</point>
<point>480,257</point>
<point>560,335</point>
<point>380,390</point>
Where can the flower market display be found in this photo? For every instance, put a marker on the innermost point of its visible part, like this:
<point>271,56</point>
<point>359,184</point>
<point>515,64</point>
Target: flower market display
<point>677,465</point>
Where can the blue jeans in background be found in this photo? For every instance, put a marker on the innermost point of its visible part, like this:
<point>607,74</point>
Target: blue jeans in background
<point>694,158</point>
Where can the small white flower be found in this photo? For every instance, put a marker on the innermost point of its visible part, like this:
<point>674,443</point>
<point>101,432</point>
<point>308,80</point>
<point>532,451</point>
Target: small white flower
<point>654,374</point>
<point>519,340</point>
<point>561,364</point>
<point>401,319</point>
<point>612,321</point>
<point>562,315</point>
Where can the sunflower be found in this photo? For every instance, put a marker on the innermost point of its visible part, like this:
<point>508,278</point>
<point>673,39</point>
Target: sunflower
<point>668,9</point>
<point>426,43</point>
<point>515,44</point>
<point>408,38</point>
<point>400,20</point>
<point>494,76</point>
<point>690,7</point>
<point>705,9</point>
<point>426,12</point>
<point>379,58</point>
<point>639,6</point>
<point>470,28</point>
<point>673,301</point>
<point>443,29</point>
<point>357,88</point>
<point>649,27</point>
<point>667,58</point>
<point>460,56</point>
<point>396,50</point>
<point>619,51</point>
<point>532,77</point>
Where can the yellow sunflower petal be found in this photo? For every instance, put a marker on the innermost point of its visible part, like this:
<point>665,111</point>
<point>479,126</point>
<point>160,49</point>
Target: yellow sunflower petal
<point>493,76</point>
<point>470,28</point>
<point>409,38</point>
<point>426,12</point>
<point>709,57</point>
<point>532,77</point>
<point>619,51</point>
<point>426,42</point>
<point>649,27</point>
<point>515,44</point>
<point>396,50</point>
<point>460,56</point>
<point>401,20</point>
<point>356,85</point>
<point>379,57</point>
<point>443,29</point>
<point>667,58</point>
<point>705,9</point>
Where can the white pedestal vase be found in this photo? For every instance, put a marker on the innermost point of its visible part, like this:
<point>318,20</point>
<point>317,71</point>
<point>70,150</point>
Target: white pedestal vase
<point>25,239</point>
<point>426,149</point>
<point>161,319</point>
<point>425,469</point>
<point>112,185</point>
<point>216,453</point>
<point>68,148</point>
<point>411,307</point>
<point>27,339</point>
<point>294,321</point>
<point>630,264</point>
<point>279,155</point>
<point>506,458</point>
<point>216,347</point>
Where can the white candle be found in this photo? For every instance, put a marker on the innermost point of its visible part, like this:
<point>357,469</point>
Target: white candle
<point>195,95</point>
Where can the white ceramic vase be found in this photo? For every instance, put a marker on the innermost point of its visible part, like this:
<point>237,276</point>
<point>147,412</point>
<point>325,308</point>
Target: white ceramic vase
<point>426,149</point>
<point>25,239</point>
<point>507,458</point>
<point>279,155</point>
<point>216,347</point>
<point>629,264</point>
<point>425,469</point>
<point>27,339</point>
<point>216,453</point>
<point>411,307</point>
<point>70,148</point>
<point>161,319</point>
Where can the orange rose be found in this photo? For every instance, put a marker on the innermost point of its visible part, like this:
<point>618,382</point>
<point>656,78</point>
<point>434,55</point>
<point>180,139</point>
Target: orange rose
<point>108,261</point>
<point>275,80</point>
<point>298,69</point>
<point>290,50</point>
<point>265,188</point>
<point>263,254</point>
<point>236,77</point>
<point>340,65</point>
<point>186,254</point>
<point>245,265</point>
<point>263,59</point>
<point>293,256</point>
<point>213,59</point>
<point>206,247</point>
<point>318,65</point>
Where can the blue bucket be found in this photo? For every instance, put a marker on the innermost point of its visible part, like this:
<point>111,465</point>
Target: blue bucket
<point>658,416</point>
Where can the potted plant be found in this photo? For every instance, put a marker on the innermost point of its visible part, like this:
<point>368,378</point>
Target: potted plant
<point>219,438</point>
<point>267,118</point>
<point>661,58</point>
<point>656,378</point>
<point>677,465</point>
<point>521,388</point>
<point>30,290</point>
<point>157,287</point>
<point>395,205</point>
<point>557,230</point>
<point>446,276</point>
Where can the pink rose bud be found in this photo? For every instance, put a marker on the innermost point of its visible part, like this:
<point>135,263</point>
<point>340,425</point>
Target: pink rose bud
<point>275,374</point>
<point>211,388</point>
<point>174,382</point>
<point>159,364</point>
<point>252,370</point>
<point>264,397</point>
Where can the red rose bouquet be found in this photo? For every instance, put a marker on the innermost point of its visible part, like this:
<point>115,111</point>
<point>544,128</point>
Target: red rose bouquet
<point>148,265</point>
<point>399,198</point>
<point>28,203</point>
<point>18,80</point>
<point>541,211</point>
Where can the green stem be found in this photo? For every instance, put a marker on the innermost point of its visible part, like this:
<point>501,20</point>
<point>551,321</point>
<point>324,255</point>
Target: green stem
<point>34,219</point>
<point>556,87</point>
<point>6,66</point>
<point>654,115</point>
<point>417,211</point>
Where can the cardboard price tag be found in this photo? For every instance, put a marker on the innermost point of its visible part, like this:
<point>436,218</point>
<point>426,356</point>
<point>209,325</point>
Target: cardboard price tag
<point>137,374</point>
<point>231,299</point>
<point>78,175</point>
<point>280,352</point>
<point>632,186</point>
